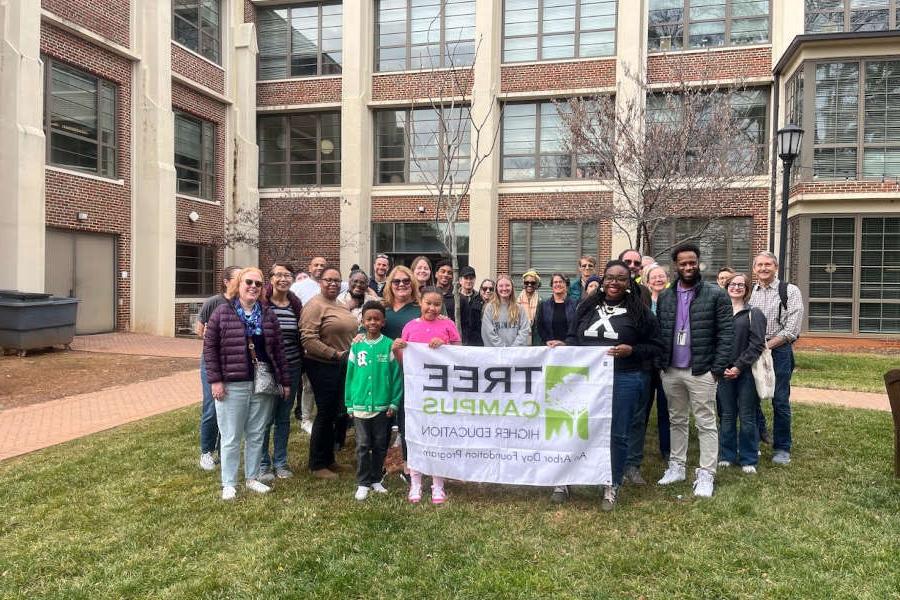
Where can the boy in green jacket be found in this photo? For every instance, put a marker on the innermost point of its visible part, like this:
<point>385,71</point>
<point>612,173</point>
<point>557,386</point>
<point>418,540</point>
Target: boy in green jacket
<point>372,395</point>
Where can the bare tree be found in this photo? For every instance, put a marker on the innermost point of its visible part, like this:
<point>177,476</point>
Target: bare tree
<point>664,151</point>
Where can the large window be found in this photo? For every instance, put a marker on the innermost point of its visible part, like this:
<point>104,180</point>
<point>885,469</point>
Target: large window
<point>195,270</point>
<point>724,242</point>
<point>550,246</point>
<point>405,241</point>
<point>828,16</point>
<point>533,144</point>
<point>424,34</point>
<point>847,93</point>
<point>195,152</point>
<point>299,41</point>
<point>854,274</point>
<point>682,24</point>
<point>80,120</point>
<point>300,149</point>
<point>536,30</point>
<point>195,25</point>
<point>422,145</point>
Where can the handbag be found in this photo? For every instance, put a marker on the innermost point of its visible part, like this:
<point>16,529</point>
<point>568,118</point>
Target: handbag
<point>263,377</point>
<point>763,371</point>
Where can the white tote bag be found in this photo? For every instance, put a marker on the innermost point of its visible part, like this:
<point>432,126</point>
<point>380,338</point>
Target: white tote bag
<point>763,371</point>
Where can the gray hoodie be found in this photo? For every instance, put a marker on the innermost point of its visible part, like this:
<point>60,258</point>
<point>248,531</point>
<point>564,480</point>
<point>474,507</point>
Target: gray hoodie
<point>499,333</point>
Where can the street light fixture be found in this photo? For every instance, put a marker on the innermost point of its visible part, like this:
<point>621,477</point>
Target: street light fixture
<point>789,138</point>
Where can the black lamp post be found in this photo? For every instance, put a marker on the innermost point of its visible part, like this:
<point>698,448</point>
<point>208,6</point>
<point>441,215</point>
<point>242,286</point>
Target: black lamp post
<point>789,138</point>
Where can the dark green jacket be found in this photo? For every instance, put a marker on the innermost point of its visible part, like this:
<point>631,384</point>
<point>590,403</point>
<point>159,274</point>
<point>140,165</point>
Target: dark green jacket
<point>712,328</point>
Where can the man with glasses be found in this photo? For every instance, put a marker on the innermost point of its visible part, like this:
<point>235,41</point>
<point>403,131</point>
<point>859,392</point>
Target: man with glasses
<point>635,262</point>
<point>379,274</point>
<point>586,268</point>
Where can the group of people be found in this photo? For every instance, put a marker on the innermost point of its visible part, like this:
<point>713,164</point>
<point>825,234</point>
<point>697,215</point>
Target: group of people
<point>685,344</point>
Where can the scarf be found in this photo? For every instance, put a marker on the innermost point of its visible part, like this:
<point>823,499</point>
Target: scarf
<point>253,321</point>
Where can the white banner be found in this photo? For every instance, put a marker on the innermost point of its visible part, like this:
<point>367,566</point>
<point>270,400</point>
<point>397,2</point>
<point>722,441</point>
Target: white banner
<point>528,416</point>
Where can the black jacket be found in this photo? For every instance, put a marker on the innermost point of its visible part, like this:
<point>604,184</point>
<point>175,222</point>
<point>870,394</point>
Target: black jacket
<point>749,338</point>
<point>470,308</point>
<point>543,318</point>
<point>712,328</point>
<point>644,340</point>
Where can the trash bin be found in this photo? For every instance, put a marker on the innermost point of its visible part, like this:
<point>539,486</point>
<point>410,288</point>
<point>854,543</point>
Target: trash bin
<point>32,320</point>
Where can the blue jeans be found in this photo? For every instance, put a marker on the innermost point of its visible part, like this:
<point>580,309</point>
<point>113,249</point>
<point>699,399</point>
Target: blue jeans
<point>628,388</point>
<point>653,388</point>
<point>739,402</point>
<point>209,429</point>
<point>783,361</point>
<point>242,414</point>
<point>281,422</point>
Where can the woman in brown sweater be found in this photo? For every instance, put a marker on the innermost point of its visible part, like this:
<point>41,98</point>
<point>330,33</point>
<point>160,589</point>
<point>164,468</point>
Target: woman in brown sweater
<point>326,330</point>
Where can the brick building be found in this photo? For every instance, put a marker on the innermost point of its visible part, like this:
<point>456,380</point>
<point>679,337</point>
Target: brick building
<point>186,112</point>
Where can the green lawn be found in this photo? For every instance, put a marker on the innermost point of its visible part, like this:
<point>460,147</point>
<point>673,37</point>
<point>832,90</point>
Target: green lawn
<point>128,514</point>
<point>855,372</point>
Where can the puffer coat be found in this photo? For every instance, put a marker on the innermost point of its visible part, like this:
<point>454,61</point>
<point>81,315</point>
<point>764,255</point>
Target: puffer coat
<point>225,347</point>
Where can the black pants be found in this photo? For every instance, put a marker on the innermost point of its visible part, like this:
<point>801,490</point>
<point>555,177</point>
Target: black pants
<point>330,425</point>
<point>372,437</point>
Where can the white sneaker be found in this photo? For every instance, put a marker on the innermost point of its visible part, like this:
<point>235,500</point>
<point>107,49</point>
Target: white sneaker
<point>748,469</point>
<point>704,483</point>
<point>228,492</point>
<point>378,487</point>
<point>673,474</point>
<point>208,461</point>
<point>724,464</point>
<point>257,486</point>
<point>362,492</point>
<point>306,425</point>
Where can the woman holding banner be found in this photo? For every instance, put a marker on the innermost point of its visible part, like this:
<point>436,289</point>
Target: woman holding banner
<point>616,317</point>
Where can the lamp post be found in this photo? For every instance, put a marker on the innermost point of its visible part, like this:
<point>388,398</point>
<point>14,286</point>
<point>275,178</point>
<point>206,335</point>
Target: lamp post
<point>789,138</point>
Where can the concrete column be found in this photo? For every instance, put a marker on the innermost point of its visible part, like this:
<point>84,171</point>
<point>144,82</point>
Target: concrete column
<point>153,156</point>
<point>486,87</point>
<point>22,150</point>
<point>243,169</point>
<point>357,136</point>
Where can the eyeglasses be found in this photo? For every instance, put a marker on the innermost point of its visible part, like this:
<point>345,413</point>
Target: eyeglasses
<point>282,276</point>
<point>530,283</point>
<point>613,278</point>
<point>487,289</point>
<point>586,266</point>
<point>631,262</point>
<point>331,281</point>
<point>400,282</point>
<point>253,283</point>
<point>737,286</point>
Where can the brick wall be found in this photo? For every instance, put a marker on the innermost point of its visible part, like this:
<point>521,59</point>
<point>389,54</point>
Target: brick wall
<point>389,209</point>
<point>108,18</point>
<point>296,229</point>
<point>299,91</point>
<point>422,84</point>
<point>570,206</point>
<point>107,203</point>
<point>196,69</point>
<point>207,231</point>
<point>845,187</point>
<point>558,76</point>
<point>793,262</point>
<point>709,65</point>
<point>184,313</point>
<point>249,12</point>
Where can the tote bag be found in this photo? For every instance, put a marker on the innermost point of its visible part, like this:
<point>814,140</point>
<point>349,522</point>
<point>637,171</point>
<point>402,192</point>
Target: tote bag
<point>763,371</point>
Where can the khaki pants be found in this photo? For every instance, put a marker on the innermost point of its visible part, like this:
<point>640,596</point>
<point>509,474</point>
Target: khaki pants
<point>695,394</point>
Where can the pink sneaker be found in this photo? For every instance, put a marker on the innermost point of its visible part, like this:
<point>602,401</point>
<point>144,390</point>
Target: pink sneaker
<point>415,493</point>
<point>438,496</point>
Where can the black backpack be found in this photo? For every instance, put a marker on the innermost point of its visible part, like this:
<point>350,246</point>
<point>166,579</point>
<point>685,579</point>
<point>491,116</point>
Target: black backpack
<point>783,294</point>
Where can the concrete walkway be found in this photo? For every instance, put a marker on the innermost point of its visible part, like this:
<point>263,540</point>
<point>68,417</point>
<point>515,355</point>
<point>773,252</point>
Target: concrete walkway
<point>139,344</point>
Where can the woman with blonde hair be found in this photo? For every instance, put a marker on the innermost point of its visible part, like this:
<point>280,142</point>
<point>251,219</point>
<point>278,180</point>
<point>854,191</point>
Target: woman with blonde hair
<point>503,323</point>
<point>401,301</point>
<point>421,268</point>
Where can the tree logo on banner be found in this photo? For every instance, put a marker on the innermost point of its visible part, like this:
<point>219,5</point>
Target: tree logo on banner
<point>566,410</point>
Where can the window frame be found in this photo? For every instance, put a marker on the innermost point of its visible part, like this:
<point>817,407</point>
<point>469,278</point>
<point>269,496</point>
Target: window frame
<point>728,237</point>
<point>728,19</point>
<point>892,8</point>
<point>285,119</point>
<point>398,257</point>
<point>100,83</point>
<point>570,271</point>
<point>320,54</point>
<point>207,276</point>
<point>198,25</point>
<point>539,35</point>
<point>408,45</point>
<point>206,176</point>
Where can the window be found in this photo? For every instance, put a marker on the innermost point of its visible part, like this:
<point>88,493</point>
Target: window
<point>680,24</point>
<point>301,149</point>
<point>533,145</point>
<point>536,30</point>
<point>423,34</point>
<point>80,120</point>
<point>831,16</point>
<point>419,145</point>
<point>195,156</point>
<point>299,41</point>
<point>195,270</point>
<point>405,241</point>
<point>724,242</point>
<point>195,25</point>
<point>550,246</point>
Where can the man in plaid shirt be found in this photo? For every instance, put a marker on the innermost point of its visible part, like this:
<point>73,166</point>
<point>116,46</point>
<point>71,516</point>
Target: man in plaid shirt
<point>783,321</point>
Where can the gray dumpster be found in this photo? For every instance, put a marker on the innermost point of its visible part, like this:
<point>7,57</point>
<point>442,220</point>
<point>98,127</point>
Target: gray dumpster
<point>31,320</point>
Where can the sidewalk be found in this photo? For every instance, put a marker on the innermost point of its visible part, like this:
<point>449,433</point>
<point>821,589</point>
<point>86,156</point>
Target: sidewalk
<point>139,344</point>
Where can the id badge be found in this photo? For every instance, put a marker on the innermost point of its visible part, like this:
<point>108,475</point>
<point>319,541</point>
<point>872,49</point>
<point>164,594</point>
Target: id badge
<point>681,338</point>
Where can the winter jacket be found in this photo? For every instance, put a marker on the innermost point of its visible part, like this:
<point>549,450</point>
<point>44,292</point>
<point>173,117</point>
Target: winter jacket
<point>501,333</point>
<point>712,328</point>
<point>470,309</point>
<point>374,380</point>
<point>749,338</point>
<point>543,317</point>
<point>225,347</point>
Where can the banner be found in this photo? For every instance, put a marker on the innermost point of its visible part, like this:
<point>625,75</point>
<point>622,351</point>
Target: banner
<point>528,416</point>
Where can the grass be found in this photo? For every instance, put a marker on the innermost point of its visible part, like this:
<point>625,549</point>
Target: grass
<point>853,372</point>
<point>127,513</point>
